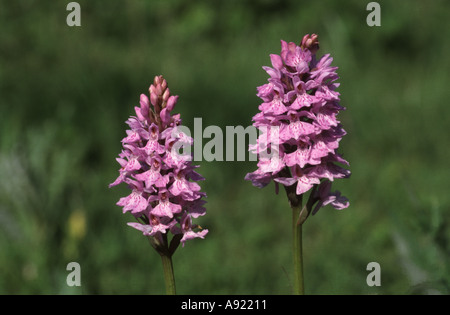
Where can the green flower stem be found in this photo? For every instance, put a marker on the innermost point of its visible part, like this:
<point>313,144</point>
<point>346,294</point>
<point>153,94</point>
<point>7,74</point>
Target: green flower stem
<point>166,251</point>
<point>169,277</point>
<point>299,288</point>
<point>299,216</point>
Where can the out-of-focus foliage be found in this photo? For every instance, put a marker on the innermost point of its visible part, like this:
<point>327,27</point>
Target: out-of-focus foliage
<point>66,92</point>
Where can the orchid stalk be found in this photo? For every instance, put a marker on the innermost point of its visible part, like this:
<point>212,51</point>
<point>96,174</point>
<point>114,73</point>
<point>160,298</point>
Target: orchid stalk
<point>165,195</point>
<point>298,121</point>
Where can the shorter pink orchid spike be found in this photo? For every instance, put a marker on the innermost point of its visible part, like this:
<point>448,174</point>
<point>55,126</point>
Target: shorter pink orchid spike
<point>165,194</point>
<point>162,187</point>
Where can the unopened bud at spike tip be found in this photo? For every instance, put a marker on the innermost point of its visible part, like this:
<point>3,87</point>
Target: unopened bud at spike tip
<point>145,105</point>
<point>166,95</point>
<point>311,43</point>
<point>157,80</point>
<point>154,99</point>
<point>164,84</point>
<point>171,102</point>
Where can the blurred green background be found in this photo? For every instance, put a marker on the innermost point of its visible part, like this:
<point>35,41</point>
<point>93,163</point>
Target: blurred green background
<point>67,91</point>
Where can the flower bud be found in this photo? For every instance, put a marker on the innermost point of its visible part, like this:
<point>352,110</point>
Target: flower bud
<point>157,80</point>
<point>145,104</point>
<point>164,84</point>
<point>154,99</point>
<point>171,102</point>
<point>310,42</point>
<point>166,95</point>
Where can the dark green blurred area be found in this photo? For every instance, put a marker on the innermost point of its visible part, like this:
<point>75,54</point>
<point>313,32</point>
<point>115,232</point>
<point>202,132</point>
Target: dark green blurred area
<point>67,91</point>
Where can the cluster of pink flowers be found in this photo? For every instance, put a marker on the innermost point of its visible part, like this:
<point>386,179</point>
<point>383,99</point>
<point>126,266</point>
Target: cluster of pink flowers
<point>299,124</point>
<point>165,194</point>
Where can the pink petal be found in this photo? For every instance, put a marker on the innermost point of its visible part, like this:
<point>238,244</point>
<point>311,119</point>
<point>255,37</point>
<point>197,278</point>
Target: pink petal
<point>132,165</point>
<point>286,181</point>
<point>191,235</point>
<point>277,63</point>
<point>300,157</point>
<point>304,184</point>
<point>274,107</point>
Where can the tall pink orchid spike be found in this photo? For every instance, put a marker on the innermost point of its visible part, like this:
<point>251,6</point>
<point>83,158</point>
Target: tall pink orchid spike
<point>299,109</point>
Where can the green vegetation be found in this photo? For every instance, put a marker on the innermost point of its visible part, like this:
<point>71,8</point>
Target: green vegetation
<point>66,92</point>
